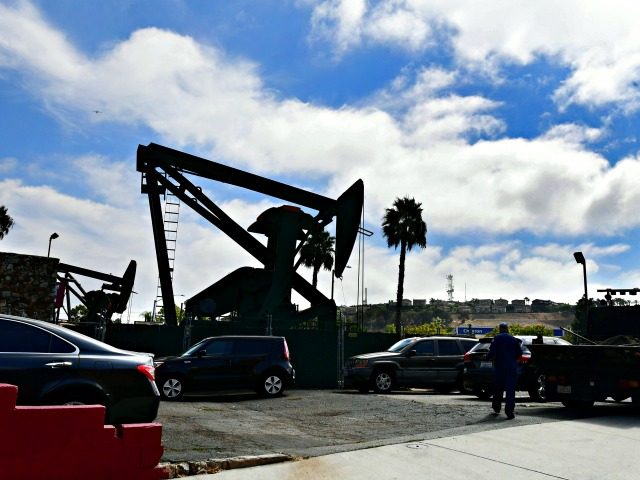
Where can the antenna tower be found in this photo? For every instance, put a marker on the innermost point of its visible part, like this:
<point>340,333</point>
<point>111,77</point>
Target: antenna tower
<point>450,287</point>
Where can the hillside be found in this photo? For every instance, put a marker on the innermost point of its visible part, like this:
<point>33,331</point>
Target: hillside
<point>553,320</point>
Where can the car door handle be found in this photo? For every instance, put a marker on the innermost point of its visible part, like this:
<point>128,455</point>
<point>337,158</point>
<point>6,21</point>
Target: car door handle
<point>187,361</point>
<point>58,364</point>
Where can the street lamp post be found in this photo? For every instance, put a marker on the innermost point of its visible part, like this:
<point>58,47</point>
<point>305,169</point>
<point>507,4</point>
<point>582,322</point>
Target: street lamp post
<point>580,259</point>
<point>53,236</point>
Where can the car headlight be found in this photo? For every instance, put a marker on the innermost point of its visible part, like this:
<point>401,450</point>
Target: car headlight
<point>361,362</point>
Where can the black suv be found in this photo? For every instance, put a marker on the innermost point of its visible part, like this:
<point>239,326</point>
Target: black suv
<point>227,363</point>
<point>431,362</point>
<point>53,365</point>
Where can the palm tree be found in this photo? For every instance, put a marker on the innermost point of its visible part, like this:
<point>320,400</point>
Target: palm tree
<point>6,222</point>
<point>317,252</point>
<point>403,225</point>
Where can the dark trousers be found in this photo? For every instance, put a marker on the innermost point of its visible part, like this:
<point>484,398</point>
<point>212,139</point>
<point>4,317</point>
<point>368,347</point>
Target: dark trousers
<point>505,381</point>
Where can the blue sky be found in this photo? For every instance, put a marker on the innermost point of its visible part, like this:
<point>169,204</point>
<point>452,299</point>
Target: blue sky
<point>515,126</point>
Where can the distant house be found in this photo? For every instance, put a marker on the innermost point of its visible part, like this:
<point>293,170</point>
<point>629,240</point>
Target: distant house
<point>406,302</point>
<point>499,306</point>
<point>538,305</point>
<point>464,309</point>
<point>419,302</point>
<point>520,306</point>
<point>483,306</point>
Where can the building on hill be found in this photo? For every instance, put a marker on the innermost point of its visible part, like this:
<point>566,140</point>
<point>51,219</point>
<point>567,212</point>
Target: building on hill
<point>520,306</point>
<point>483,305</point>
<point>499,306</point>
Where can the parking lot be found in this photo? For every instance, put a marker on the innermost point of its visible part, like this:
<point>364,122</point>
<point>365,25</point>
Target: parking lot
<point>316,422</point>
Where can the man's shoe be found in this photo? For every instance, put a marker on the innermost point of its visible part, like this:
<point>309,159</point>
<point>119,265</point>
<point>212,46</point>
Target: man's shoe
<point>510,416</point>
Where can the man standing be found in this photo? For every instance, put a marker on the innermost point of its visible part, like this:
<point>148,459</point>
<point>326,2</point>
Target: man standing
<point>504,351</point>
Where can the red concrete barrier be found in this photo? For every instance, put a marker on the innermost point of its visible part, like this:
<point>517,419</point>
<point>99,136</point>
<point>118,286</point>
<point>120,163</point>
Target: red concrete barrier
<point>72,443</point>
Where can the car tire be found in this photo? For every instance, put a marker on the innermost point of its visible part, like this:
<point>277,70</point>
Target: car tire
<point>460,386</point>
<point>363,388</point>
<point>383,381</point>
<point>171,388</point>
<point>446,388</point>
<point>483,393</point>
<point>271,385</point>
<point>538,389</point>
<point>79,398</point>
<point>578,404</point>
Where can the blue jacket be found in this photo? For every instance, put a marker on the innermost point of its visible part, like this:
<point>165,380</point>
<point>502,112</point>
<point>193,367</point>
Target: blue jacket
<point>504,351</point>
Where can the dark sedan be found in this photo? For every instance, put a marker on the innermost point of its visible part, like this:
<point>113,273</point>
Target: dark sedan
<point>53,365</point>
<point>478,372</point>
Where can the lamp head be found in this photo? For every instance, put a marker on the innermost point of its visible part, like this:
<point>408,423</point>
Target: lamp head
<point>579,258</point>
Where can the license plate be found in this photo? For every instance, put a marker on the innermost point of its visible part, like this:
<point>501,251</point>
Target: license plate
<point>486,364</point>
<point>564,388</point>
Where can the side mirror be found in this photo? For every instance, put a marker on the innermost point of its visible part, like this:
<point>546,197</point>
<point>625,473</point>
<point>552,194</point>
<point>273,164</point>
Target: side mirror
<point>411,353</point>
<point>202,353</point>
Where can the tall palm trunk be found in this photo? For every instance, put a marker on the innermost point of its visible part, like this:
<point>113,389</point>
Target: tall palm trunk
<point>403,253</point>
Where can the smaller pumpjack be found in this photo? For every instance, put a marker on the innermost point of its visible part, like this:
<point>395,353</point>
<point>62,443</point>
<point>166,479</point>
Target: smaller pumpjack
<point>250,293</point>
<point>101,304</point>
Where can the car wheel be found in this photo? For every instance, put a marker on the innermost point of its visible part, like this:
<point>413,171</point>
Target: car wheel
<point>538,390</point>
<point>444,389</point>
<point>482,393</point>
<point>578,404</point>
<point>272,385</point>
<point>383,381</point>
<point>461,388</point>
<point>620,397</point>
<point>171,388</point>
<point>80,398</point>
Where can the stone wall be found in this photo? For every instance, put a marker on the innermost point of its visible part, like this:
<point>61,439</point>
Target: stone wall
<point>27,285</point>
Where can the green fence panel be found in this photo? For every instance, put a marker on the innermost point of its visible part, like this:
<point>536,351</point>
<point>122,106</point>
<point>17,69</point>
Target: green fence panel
<point>314,354</point>
<point>357,343</point>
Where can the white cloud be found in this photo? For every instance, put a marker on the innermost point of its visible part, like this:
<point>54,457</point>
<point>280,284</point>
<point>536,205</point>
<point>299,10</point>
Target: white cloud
<point>8,165</point>
<point>412,139</point>
<point>340,19</point>
<point>197,96</point>
<point>599,41</point>
<point>572,133</point>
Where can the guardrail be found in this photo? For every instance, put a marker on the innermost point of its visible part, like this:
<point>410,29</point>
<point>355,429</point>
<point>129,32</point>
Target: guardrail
<point>72,443</point>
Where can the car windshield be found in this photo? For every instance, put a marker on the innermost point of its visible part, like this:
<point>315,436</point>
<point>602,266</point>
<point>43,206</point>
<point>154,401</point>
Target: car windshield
<point>192,351</point>
<point>398,346</point>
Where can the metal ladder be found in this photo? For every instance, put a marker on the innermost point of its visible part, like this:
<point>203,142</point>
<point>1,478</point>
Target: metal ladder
<point>170,220</point>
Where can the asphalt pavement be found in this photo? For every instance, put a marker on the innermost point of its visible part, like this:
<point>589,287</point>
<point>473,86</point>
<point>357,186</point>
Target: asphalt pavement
<point>602,448</point>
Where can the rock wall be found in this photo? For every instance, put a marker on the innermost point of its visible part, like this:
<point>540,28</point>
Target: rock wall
<point>27,285</point>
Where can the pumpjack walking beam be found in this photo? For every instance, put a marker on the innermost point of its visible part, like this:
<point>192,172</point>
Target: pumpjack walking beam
<point>163,169</point>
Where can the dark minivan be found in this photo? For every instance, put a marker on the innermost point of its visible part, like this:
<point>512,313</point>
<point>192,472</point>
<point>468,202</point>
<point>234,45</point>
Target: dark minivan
<point>53,365</point>
<point>259,363</point>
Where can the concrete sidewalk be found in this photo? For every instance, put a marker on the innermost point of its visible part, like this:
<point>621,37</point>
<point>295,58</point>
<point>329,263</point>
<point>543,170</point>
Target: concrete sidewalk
<point>598,448</point>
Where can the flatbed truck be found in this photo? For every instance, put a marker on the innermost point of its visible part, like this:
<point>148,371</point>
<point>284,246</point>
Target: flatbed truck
<point>608,367</point>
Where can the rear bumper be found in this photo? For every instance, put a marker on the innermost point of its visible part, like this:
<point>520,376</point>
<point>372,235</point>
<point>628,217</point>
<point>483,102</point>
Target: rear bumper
<point>143,409</point>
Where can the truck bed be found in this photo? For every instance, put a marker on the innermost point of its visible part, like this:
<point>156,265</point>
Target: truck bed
<point>583,374</point>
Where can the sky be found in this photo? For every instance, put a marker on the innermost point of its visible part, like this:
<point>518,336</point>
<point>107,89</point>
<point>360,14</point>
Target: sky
<point>513,123</point>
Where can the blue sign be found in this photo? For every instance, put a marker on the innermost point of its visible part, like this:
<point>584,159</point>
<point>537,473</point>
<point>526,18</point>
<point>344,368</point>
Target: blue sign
<point>474,330</point>
<point>557,332</point>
